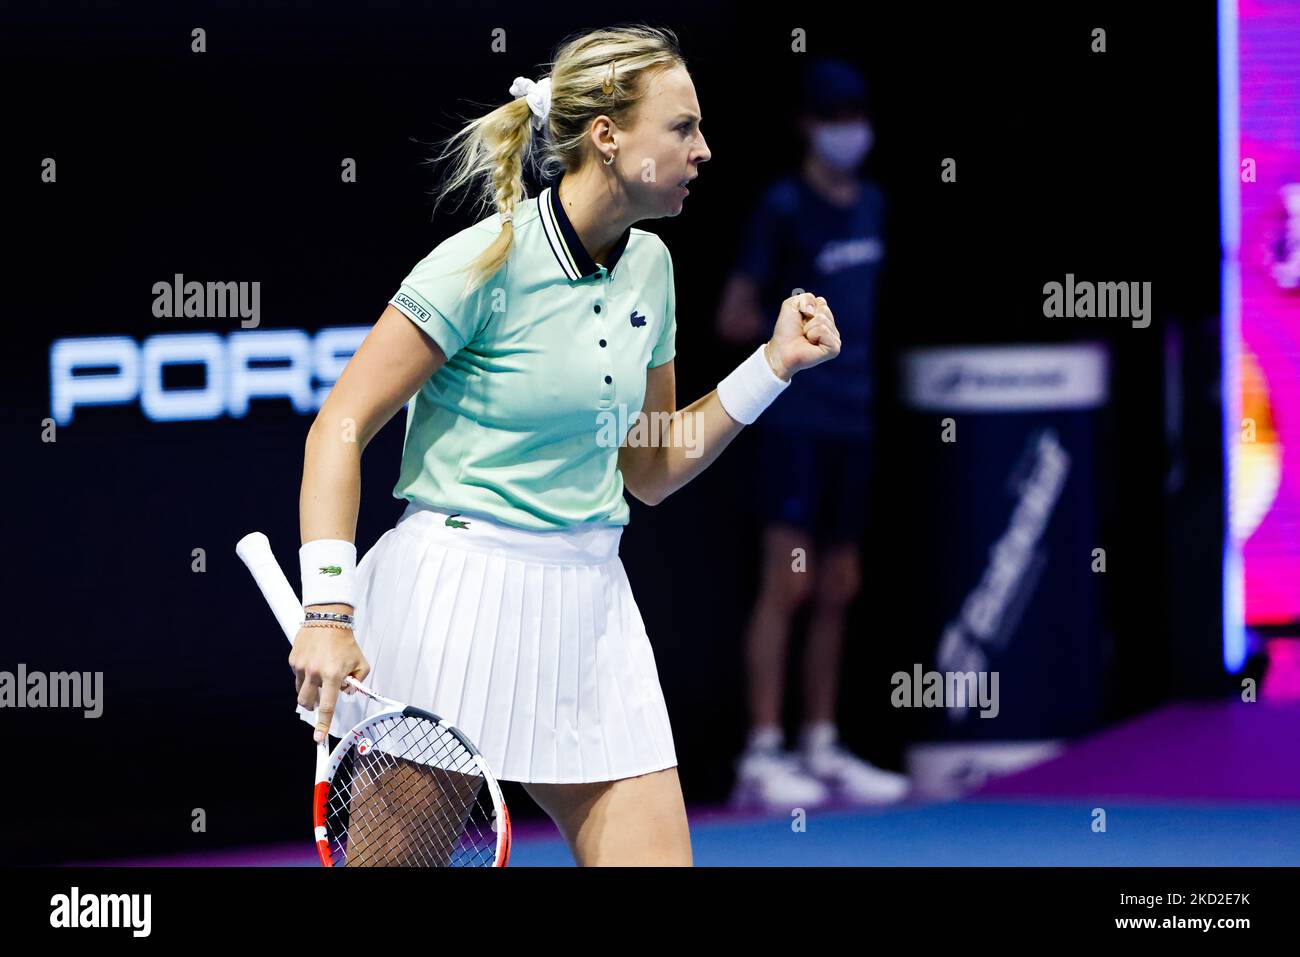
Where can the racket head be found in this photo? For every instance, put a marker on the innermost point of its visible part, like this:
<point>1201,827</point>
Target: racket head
<point>406,788</point>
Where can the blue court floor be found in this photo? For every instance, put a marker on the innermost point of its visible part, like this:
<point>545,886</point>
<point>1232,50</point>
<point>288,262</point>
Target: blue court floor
<point>991,833</point>
<point>970,832</point>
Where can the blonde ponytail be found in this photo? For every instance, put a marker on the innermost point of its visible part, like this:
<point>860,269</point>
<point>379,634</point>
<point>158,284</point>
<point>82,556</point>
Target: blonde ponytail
<point>600,72</point>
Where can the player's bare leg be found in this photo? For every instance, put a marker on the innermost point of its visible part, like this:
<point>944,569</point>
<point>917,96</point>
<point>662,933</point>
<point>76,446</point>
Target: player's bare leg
<point>631,822</point>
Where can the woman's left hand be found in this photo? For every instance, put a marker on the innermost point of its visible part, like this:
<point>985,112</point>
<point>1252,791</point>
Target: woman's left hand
<point>805,335</point>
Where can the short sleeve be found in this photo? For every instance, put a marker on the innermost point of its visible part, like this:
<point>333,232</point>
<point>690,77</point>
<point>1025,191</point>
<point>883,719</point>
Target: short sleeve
<point>666,347</point>
<point>433,294</point>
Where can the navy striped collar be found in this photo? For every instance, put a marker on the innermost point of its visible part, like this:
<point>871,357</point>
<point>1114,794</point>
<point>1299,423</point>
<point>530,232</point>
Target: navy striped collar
<point>563,239</point>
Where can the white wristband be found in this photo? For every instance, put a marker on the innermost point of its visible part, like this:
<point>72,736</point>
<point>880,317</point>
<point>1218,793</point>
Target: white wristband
<point>329,572</point>
<point>750,388</point>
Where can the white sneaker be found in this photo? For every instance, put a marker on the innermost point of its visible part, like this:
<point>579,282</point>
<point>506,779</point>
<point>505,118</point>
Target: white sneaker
<point>853,779</point>
<point>775,781</point>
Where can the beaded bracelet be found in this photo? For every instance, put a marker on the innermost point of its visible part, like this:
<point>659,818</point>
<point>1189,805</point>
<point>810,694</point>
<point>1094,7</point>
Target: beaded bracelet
<point>329,616</point>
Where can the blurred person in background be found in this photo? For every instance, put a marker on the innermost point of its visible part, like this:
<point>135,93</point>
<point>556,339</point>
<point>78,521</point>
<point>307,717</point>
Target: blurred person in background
<point>818,228</point>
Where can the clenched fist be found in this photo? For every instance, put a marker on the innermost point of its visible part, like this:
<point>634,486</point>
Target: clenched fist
<point>805,335</point>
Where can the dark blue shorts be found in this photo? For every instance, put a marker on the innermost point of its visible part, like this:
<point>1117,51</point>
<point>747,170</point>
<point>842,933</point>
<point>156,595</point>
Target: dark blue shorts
<point>817,483</point>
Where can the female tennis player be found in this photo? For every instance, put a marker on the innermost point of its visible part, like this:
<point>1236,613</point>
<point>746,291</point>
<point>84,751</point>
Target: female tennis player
<point>499,600</point>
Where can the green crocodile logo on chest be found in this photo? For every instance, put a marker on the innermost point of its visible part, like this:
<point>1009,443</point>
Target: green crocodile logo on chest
<point>453,523</point>
<point>331,570</point>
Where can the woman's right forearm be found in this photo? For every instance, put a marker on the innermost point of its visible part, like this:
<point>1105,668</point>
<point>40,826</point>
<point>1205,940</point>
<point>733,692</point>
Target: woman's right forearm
<point>330,497</point>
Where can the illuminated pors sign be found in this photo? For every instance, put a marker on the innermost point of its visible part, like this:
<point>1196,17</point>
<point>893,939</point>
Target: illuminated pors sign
<point>244,365</point>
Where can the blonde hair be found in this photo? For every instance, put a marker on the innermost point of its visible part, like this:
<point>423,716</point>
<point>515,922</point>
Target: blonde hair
<point>496,146</point>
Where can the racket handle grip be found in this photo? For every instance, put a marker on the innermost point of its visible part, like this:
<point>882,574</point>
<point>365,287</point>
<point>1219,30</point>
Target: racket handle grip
<point>254,549</point>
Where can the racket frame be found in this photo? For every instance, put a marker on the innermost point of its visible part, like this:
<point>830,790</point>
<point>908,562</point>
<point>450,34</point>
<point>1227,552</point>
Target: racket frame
<point>254,549</point>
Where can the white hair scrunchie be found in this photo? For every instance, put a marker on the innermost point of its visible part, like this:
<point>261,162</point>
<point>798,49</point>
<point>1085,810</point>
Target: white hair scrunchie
<point>539,97</point>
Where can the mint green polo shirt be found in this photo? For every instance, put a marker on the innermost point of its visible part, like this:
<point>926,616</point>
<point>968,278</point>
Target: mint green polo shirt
<point>545,372</point>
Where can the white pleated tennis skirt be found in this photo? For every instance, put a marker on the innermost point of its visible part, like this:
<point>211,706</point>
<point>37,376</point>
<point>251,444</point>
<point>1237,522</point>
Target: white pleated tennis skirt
<point>528,641</point>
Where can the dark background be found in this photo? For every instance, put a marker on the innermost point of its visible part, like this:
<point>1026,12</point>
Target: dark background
<point>226,165</point>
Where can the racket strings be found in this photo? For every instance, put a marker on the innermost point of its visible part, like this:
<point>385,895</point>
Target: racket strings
<point>397,815</point>
<point>414,798</point>
<point>417,833</point>
<point>431,747</point>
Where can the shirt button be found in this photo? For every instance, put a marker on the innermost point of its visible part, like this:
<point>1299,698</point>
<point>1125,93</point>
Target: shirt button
<point>608,380</point>
<point>602,343</point>
<point>598,307</point>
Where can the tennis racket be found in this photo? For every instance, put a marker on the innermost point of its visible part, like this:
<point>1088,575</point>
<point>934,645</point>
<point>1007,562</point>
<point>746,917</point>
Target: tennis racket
<point>402,788</point>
